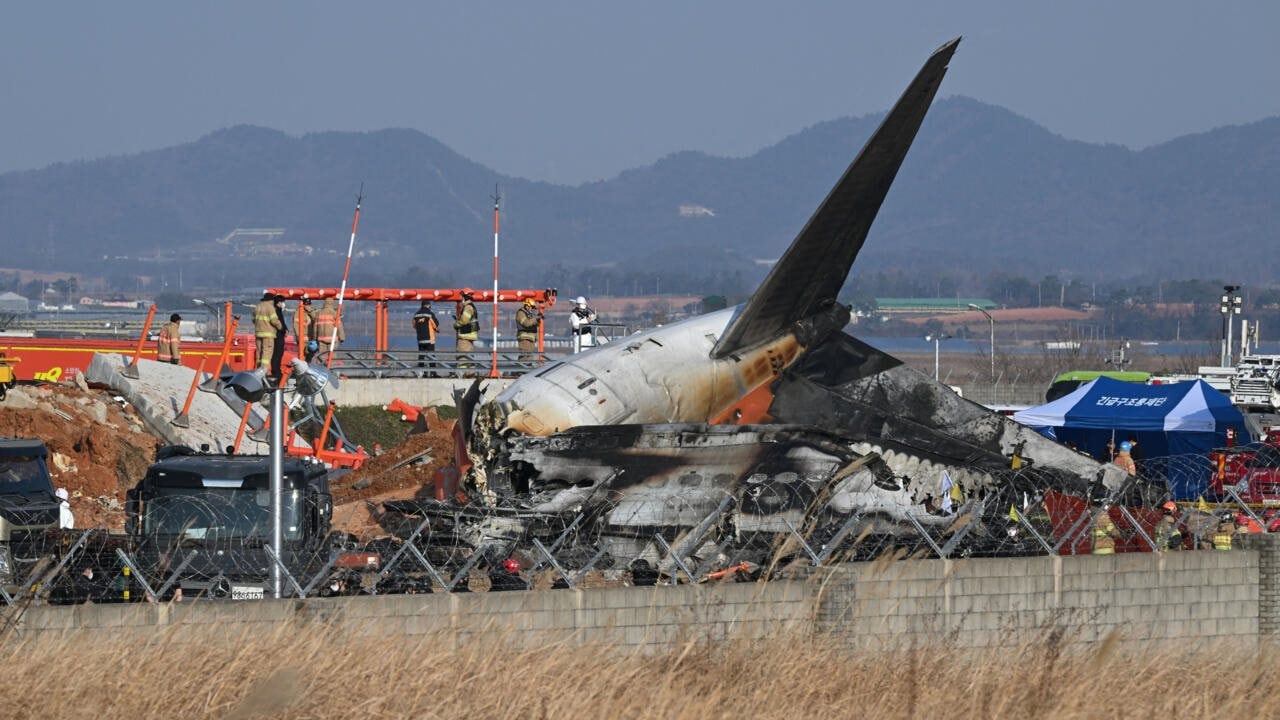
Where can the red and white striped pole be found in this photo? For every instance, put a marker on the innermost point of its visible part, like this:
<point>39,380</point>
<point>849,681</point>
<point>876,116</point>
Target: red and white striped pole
<point>493,367</point>
<point>355,223</point>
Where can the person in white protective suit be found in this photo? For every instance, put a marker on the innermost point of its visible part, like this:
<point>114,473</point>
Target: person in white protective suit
<point>581,320</point>
<point>65,519</point>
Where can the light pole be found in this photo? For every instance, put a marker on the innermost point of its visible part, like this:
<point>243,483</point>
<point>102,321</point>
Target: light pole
<point>993,339</point>
<point>251,386</point>
<point>937,340</point>
<point>210,308</point>
<point>1228,306</point>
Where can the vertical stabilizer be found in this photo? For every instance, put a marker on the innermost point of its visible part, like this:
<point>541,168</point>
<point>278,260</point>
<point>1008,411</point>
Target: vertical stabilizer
<point>812,271</point>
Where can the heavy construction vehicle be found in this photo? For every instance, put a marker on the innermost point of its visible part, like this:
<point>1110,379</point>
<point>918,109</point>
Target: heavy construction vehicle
<point>28,506</point>
<point>210,515</point>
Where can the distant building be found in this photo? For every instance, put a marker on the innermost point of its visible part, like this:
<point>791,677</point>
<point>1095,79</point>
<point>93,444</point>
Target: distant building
<point>929,306</point>
<point>14,303</point>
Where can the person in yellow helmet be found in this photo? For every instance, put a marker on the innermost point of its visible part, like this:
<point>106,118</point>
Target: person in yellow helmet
<point>1168,536</point>
<point>327,324</point>
<point>466,324</point>
<point>265,326</point>
<point>528,318</point>
<point>1105,532</point>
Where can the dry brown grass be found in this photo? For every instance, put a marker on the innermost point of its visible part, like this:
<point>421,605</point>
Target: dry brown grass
<point>313,671</point>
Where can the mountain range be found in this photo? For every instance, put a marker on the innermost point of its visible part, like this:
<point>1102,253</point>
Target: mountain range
<point>982,190</point>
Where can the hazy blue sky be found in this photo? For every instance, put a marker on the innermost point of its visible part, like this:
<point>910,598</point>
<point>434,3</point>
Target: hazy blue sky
<point>569,91</point>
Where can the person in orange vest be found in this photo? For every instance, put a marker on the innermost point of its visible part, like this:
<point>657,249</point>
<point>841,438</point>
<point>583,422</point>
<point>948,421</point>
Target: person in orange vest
<point>265,327</point>
<point>1125,460</point>
<point>326,324</point>
<point>169,341</point>
<point>1246,524</point>
<point>425,324</point>
<point>303,318</point>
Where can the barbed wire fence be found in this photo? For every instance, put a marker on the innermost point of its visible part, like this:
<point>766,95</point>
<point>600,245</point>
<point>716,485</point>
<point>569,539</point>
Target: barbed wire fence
<point>213,547</point>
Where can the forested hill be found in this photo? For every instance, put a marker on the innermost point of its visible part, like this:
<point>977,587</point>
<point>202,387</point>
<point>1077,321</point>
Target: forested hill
<point>983,189</point>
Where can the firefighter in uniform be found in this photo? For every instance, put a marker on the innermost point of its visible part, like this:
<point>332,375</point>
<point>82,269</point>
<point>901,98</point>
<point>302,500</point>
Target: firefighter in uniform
<point>282,334</point>
<point>528,318</point>
<point>169,341</point>
<point>466,324</point>
<point>327,322</point>
<point>1125,460</point>
<point>1222,537</point>
<point>1105,532</point>
<point>425,324</point>
<point>303,319</point>
<point>265,327</point>
<point>1168,536</point>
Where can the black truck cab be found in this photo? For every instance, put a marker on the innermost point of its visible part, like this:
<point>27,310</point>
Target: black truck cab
<point>218,507</point>
<point>28,506</point>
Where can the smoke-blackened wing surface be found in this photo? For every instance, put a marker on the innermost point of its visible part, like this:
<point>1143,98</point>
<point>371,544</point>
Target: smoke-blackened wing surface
<point>812,271</point>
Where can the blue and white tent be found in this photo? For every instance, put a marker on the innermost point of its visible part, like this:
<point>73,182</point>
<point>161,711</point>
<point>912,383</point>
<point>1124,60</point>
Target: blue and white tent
<point>1179,419</point>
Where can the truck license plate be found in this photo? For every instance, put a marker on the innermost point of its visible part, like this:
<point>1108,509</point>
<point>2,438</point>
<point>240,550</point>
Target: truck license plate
<point>247,592</point>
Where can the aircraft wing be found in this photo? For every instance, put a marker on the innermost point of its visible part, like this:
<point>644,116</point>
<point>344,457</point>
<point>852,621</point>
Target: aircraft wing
<point>812,271</point>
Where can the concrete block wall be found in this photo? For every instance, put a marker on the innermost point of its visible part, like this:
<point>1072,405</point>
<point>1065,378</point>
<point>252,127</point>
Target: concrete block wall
<point>361,392</point>
<point>653,617</point>
<point>1184,596</point>
<point>1005,601</point>
<point>1268,548</point>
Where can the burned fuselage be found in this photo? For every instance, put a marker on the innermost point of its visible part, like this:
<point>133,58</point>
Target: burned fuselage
<point>729,430</point>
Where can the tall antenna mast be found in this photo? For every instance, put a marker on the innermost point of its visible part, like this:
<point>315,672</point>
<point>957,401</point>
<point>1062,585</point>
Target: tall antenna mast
<point>493,366</point>
<point>333,337</point>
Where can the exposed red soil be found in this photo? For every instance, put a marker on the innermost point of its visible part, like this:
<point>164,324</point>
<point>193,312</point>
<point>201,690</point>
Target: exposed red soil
<point>96,454</point>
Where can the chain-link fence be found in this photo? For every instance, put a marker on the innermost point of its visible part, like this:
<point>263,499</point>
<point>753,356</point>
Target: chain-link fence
<point>214,543</point>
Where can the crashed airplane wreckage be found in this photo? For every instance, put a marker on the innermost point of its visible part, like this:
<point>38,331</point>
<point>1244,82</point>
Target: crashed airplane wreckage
<point>724,433</point>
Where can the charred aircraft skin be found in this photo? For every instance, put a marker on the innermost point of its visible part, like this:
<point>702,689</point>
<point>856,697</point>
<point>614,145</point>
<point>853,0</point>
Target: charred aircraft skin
<point>622,434</point>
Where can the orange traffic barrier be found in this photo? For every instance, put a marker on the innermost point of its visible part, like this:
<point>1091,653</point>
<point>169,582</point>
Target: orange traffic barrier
<point>407,412</point>
<point>182,420</point>
<point>131,370</point>
<point>212,384</point>
<point>244,420</point>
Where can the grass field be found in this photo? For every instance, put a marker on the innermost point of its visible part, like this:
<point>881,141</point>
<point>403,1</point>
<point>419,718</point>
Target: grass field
<point>316,671</point>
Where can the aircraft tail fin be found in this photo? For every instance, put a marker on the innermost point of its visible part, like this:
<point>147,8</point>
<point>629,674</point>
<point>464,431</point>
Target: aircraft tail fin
<point>810,274</point>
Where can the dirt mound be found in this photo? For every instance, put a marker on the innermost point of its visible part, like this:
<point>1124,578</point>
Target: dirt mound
<point>97,447</point>
<point>406,466</point>
<point>400,473</point>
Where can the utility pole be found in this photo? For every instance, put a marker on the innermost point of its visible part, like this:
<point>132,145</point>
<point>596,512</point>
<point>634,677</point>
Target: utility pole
<point>1229,305</point>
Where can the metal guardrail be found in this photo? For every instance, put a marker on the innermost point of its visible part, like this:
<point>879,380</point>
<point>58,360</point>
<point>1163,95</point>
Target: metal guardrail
<point>369,363</point>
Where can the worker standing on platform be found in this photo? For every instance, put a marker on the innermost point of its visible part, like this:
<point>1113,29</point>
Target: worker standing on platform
<point>277,352</point>
<point>303,319</point>
<point>466,324</point>
<point>580,322</point>
<point>169,341</point>
<point>528,318</point>
<point>327,323</point>
<point>265,326</point>
<point>425,324</point>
